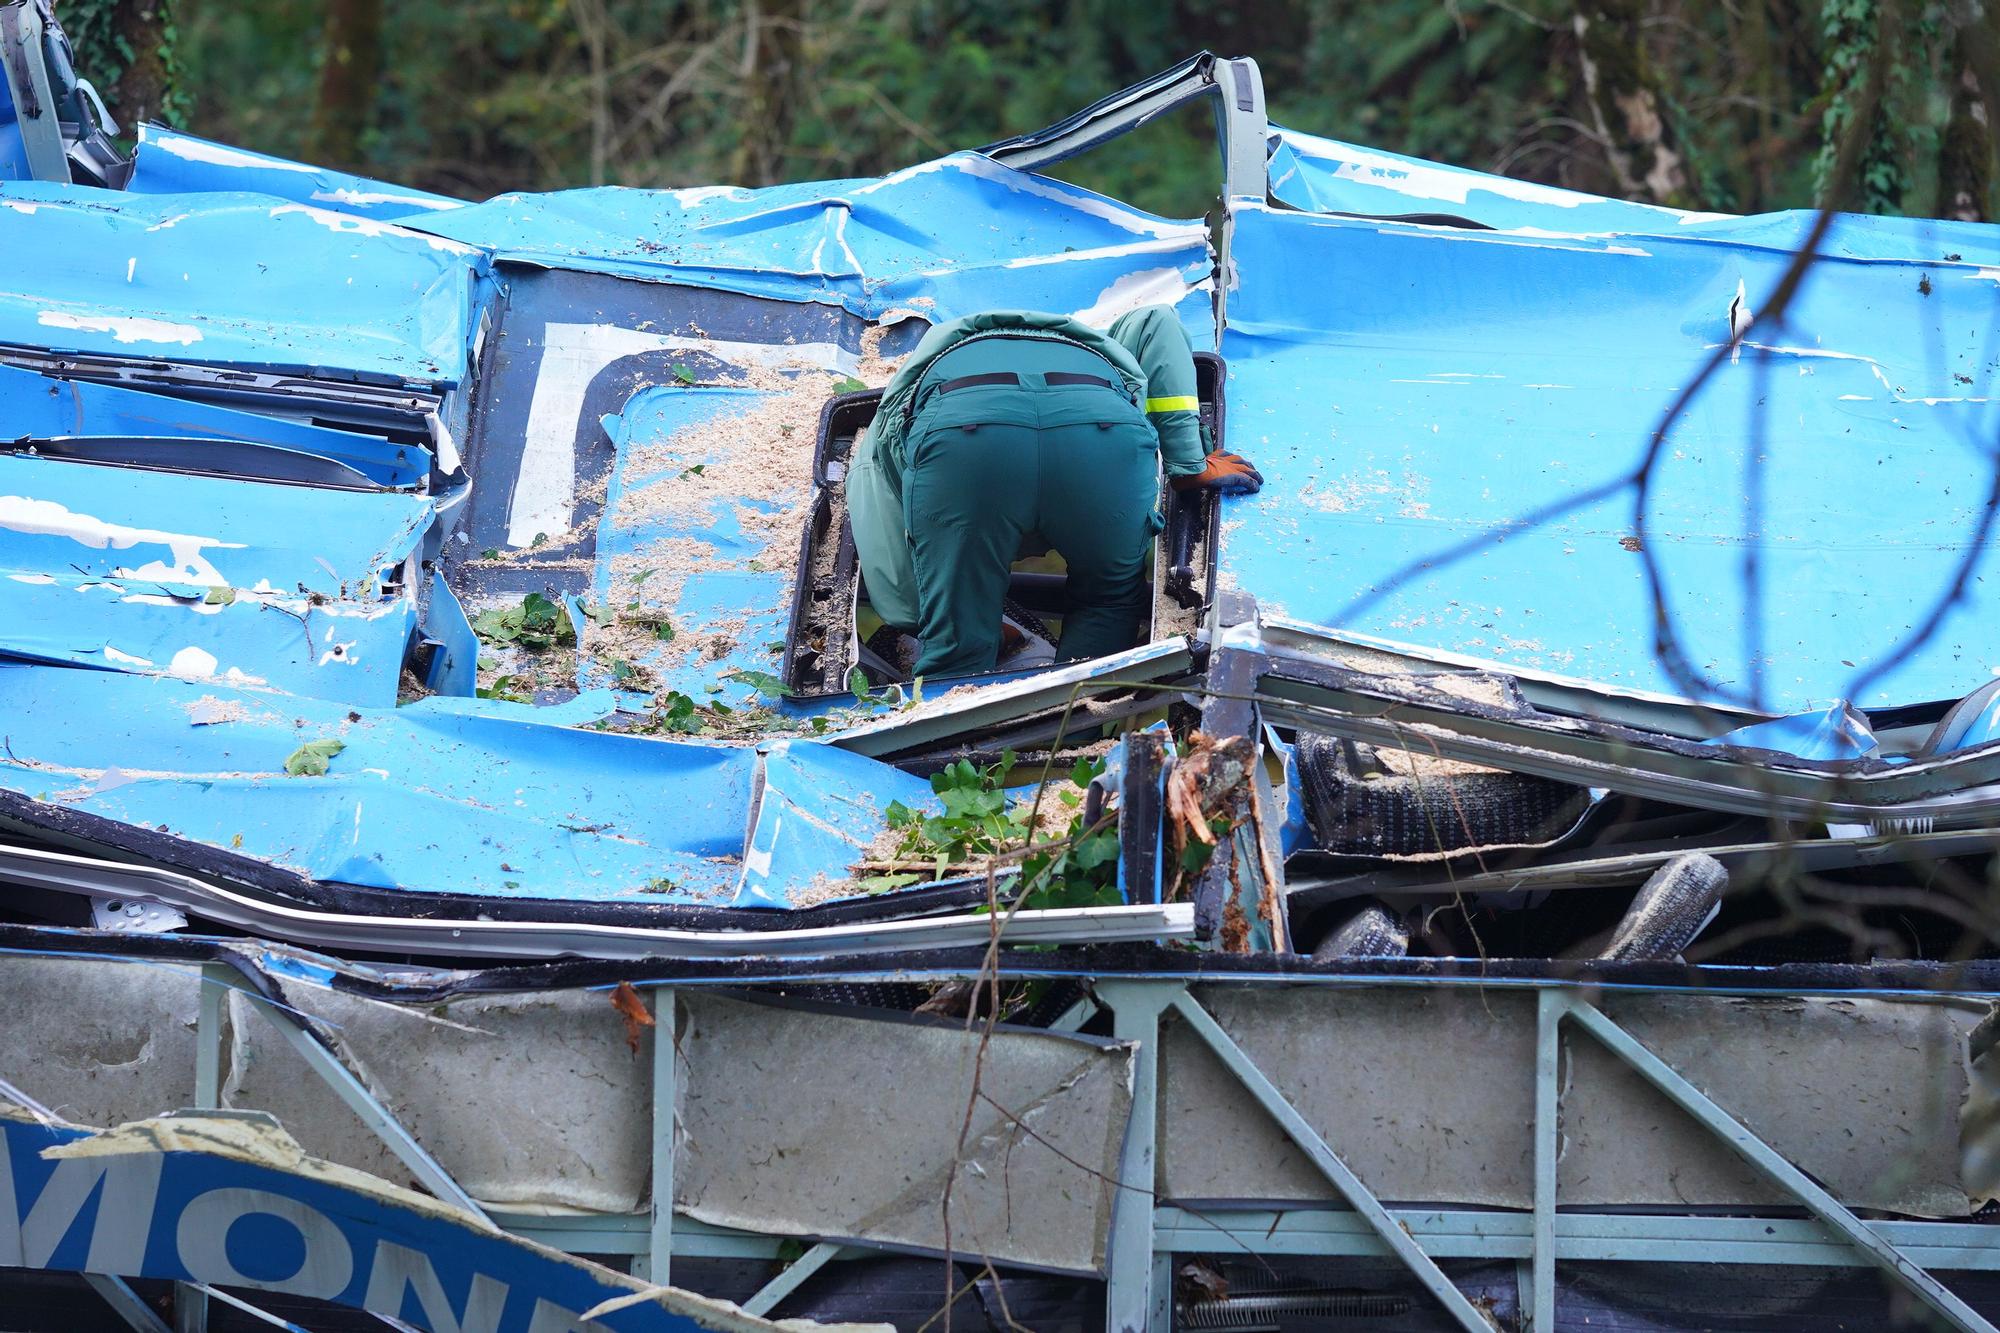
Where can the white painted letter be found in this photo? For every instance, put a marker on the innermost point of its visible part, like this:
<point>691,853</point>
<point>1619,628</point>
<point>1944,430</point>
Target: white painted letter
<point>398,1269</point>
<point>28,1238</point>
<point>202,1237</point>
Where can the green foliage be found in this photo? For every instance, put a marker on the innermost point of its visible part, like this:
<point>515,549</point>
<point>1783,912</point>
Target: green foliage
<point>99,34</point>
<point>311,759</point>
<point>482,96</point>
<point>537,624</point>
<point>511,689</point>
<point>761,681</point>
<point>979,820</point>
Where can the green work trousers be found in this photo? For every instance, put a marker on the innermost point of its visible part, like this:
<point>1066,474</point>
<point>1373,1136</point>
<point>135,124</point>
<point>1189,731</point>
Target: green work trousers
<point>1077,463</point>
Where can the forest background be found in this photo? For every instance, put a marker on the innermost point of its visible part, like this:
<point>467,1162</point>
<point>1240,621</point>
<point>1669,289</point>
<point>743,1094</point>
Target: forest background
<point>1728,105</point>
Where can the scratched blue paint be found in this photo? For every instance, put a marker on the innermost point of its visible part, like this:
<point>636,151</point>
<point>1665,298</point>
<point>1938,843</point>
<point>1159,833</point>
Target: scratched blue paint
<point>167,161</point>
<point>233,279</point>
<point>206,576</point>
<point>1327,176</point>
<point>510,801</point>
<point>821,808</point>
<point>955,235</point>
<point>1406,389</point>
<point>41,406</point>
<point>725,615</point>
<point>421,798</point>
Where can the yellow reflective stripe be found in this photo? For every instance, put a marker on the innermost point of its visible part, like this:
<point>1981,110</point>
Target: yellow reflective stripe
<point>1186,402</point>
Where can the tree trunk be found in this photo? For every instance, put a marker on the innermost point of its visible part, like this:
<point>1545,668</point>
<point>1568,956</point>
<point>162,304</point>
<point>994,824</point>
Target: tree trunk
<point>350,73</point>
<point>769,69</point>
<point>1965,156</point>
<point>1626,104</point>
<point>146,85</point>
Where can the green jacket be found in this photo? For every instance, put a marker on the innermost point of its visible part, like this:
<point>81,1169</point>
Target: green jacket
<point>1150,351</point>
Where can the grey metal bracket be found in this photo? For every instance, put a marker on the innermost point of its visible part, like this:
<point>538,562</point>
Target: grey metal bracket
<point>1130,1300</point>
<point>666,1096</point>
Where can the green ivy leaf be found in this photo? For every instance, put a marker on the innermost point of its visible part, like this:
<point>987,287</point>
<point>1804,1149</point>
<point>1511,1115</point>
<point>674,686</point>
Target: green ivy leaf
<point>762,681</point>
<point>219,597</point>
<point>848,384</point>
<point>683,374</point>
<point>310,760</point>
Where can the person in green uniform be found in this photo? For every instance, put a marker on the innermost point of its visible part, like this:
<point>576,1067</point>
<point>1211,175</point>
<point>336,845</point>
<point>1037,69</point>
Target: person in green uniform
<point>1010,422</point>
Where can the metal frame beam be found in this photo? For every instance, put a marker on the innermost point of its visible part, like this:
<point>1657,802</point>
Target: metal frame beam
<point>659,1254</point>
<point>1763,1158</point>
<point>1129,1298</point>
<point>789,1281</point>
<point>357,1098</point>
<point>1359,1197</point>
<point>1145,1233</point>
<point>125,1302</point>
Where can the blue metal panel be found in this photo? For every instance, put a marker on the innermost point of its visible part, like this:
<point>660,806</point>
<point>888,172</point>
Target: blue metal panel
<point>1326,176</point>
<point>819,810</point>
<point>725,600</point>
<point>206,576</point>
<point>420,798</point>
<point>1407,389</point>
<point>39,405</point>
<point>941,239</point>
<point>169,162</point>
<point>233,279</point>
<point>516,802</point>
<point>1836,732</point>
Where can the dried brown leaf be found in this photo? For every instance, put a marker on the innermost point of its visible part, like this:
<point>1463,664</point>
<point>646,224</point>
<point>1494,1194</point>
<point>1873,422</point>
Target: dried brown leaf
<point>633,1010</point>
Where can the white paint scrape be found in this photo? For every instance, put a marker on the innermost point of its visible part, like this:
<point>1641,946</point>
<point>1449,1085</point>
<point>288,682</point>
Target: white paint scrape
<point>1152,286</point>
<point>20,513</point>
<point>123,328</point>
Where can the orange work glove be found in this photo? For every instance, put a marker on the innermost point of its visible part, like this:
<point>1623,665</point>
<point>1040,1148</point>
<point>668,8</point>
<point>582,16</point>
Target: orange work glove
<point>1232,474</point>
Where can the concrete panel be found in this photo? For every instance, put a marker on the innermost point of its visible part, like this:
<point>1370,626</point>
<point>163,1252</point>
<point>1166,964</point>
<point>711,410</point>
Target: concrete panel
<point>525,1099</point>
<point>1428,1096</point>
<point>814,1122</point>
<point>99,1043</point>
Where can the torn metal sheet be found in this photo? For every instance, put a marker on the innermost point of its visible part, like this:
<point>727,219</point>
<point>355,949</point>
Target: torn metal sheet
<point>414,798</point>
<point>1495,377</point>
<point>208,578</point>
<point>947,237</point>
<point>1422,1094</point>
<point>234,279</point>
<point>166,1198</point>
<point>1319,175</point>
<point>1322,175</point>
<point>771,1095</point>
<point>701,567</point>
<point>167,161</point>
<point>818,810</point>
<point>1033,1184</point>
<point>39,406</point>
